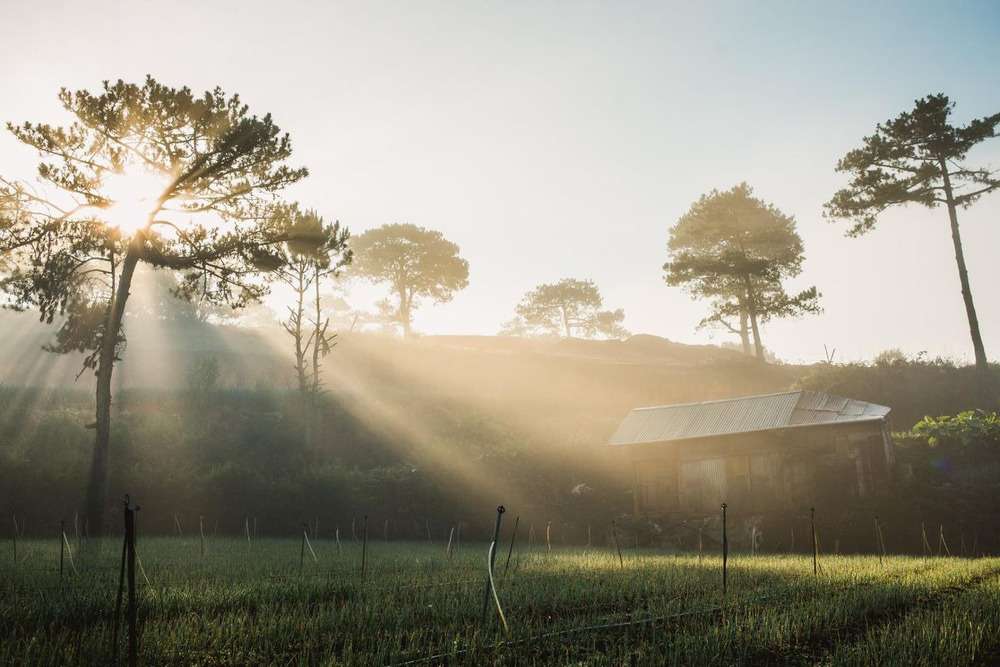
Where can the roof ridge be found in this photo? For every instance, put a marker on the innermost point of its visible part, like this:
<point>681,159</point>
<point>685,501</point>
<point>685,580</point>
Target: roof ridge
<point>729,400</point>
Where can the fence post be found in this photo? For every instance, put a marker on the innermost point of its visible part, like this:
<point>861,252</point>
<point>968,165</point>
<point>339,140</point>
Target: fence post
<point>618,548</point>
<point>812,525</point>
<point>62,545</point>
<point>725,552</point>
<point>492,557</point>
<point>364,548</point>
<point>878,541</point>
<point>133,634</point>
<point>548,537</point>
<point>302,550</point>
<point>201,531</point>
<point>510,550</point>
<point>447,550</point>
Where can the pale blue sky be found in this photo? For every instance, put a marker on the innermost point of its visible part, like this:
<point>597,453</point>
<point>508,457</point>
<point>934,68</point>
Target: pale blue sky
<point>552,140</point>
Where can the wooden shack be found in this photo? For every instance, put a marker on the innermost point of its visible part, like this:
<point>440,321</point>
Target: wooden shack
<point>755,453</point>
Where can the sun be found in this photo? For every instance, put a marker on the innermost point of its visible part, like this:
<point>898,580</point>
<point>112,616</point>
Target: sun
<point>133,195</point>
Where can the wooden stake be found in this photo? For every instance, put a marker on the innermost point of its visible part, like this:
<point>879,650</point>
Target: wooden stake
<point>614,538</point>
<point>510,550</point>
<point>62,540</point>
<point>812,523</point>
<point>725,552</point>
<point>451,534</point>
<point>548,537</point>
<point>337,534</point>
<point>364,548</point>
<point>489,564</point>
<point>201,532</point>
<point>878,544</point>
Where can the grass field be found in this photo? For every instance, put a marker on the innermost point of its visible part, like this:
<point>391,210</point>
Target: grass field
<point>239,605</point>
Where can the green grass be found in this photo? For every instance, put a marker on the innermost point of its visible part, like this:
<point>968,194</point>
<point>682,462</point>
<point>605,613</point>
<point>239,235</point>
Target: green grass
<point>241,606</point>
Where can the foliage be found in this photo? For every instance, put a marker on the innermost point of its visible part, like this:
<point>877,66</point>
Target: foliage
<point>912,387</point>
<point>144,174</point>
<point>972,428</point>
<point>907,159</point>
<point>567,307</point>
<point>314,255</point>
<point>415,262</point>
<point>919,158</point>
<point>736,250</point>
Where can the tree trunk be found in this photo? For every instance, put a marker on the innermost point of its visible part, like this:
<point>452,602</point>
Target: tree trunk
<point>97,488</point>
<point>300,353</point>
<point>566,327</point>
<point>745,330</point>
<point>963,275</point>
<point>752,314</point>
<point>404,312</point>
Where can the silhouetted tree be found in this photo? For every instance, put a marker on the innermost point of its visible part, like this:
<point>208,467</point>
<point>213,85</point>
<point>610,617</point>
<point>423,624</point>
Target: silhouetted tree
<point>568,306</point>
<point>918,157</point>
<point>148,174</point>
<point>415,262</point>
<point>316,251</point>
<point>736,250</point>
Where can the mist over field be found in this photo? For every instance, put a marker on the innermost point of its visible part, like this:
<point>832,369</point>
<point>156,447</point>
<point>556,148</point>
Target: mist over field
<point>454,333</point>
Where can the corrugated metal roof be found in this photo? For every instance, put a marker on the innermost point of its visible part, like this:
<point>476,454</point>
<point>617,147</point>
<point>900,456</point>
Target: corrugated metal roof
<point>741,415</point>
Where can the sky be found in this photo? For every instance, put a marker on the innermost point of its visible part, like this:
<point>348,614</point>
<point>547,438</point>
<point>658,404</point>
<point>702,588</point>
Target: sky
<point>558,139</point>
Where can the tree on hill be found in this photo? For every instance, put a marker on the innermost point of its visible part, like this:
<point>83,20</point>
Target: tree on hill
<point>415,262</point>
<point>736,250</point>
<point>919,158</point>
<point>144,174</point>
<point>315,253</point>
<point>569,307</point>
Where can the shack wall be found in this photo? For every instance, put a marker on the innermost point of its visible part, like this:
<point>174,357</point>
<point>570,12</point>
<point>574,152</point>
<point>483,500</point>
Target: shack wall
<point>760,472</point>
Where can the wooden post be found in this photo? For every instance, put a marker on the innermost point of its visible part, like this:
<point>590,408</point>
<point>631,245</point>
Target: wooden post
<point>510,549</point>
<point>246,525</point>
<point>62,546</point>
<point>618,548</point>
<point>548,537</point>
<point>131,610</point>
<point>427,525</point>
<point>337,535</point>
<point>302,550</point>
<point>364,548</point>
<point>700,543</point>
<point>492,558</point>
<point>121,589</point>
<point>385,530</point>
<point>878,546</point>
<point>201,531</point>
<point>177,523</point>
<point>812,525</point>
<point>447,550</point>
<point>725,552</point>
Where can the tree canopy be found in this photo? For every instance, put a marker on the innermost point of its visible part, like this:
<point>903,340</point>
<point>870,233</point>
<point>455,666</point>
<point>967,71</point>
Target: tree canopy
<point>144,174</point>
<point>736,250</point>
<point>415,262</point>
<point>919,158</point>
<point>569,307</point>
